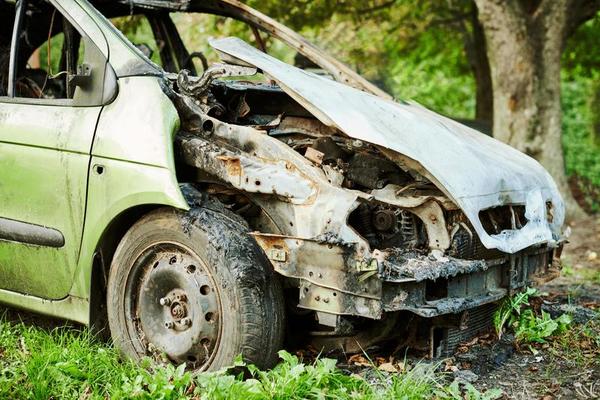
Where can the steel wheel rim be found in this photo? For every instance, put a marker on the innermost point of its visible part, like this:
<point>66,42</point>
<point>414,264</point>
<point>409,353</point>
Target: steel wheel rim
<point>173,306</point>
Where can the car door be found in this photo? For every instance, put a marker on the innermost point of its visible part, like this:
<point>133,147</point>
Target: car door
<point>48,117</point>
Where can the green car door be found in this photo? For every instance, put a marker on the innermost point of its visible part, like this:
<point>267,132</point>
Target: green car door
<point>47,123</point>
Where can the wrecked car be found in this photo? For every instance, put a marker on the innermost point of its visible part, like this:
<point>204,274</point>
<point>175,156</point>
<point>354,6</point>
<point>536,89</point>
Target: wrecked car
<point>198,211</point>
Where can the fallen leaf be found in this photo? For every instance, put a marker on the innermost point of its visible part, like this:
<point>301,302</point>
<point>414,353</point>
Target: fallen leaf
<point>358,359</point>
<point>387,367</point>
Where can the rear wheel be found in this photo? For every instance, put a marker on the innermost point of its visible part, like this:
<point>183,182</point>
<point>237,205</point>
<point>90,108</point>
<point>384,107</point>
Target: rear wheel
<point>194,287</point>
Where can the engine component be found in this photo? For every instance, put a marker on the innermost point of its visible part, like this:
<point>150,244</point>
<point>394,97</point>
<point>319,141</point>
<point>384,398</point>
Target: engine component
<point>385,227</point>
<point>374,172</point>
<point>464,243</point>
<point>331,151</point>
<point>195,87</point>
<point>384,220</point>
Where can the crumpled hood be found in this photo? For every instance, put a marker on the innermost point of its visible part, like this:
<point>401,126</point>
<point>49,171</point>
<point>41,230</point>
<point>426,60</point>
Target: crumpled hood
<point>474,170</point>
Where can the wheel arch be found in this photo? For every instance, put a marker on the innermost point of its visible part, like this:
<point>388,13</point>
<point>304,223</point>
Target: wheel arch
<point>102,258</point>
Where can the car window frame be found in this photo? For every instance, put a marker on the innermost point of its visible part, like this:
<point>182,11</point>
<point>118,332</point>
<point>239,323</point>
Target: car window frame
<point>20,9</point>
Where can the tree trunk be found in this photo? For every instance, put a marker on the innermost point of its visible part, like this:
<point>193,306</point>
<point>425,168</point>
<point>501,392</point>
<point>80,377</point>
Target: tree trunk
<point>475,48</point>
<point>524,49</point>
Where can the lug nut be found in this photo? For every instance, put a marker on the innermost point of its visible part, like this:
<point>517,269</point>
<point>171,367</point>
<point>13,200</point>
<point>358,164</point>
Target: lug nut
<point>165,301</point>
<point>186,321</point>
<point>169,324</point>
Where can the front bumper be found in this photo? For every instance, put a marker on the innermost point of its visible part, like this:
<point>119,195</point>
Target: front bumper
<point>334,279</point>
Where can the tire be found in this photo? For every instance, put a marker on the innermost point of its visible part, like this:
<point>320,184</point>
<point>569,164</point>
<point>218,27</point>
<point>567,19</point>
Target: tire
<point>194,287</point>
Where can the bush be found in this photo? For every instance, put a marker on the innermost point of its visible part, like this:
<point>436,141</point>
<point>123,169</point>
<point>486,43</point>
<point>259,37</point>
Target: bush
<point>581,112</point>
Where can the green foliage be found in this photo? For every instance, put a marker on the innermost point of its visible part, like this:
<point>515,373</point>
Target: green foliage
<point>138,30</point>
<point>581,57</point>
<point>64,364</point>
<point>529,327</point>
<point>510,307</point>
<point>55,45</point>
<point>581,127</point>
<point>465,391</point>
<point>415,57</point>
<point>434,73</point>
<point>167,382</point>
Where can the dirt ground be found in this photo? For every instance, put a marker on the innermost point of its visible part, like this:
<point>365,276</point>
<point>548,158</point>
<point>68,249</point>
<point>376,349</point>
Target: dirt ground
<point>568,369</point>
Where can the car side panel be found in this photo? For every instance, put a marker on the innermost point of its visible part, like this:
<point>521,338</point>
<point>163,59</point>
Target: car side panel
<point>134,147</point>
<point>44,158</point>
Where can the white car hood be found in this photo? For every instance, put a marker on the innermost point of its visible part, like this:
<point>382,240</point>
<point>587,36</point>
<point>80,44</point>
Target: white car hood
<point>476,171</point>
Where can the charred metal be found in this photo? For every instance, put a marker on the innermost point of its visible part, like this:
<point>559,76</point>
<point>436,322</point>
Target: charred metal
<point>357,229</point>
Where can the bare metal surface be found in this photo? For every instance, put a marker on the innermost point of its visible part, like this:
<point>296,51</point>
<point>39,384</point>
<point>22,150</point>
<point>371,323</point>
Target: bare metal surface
<point>475,171</point>
<point>250,174</point>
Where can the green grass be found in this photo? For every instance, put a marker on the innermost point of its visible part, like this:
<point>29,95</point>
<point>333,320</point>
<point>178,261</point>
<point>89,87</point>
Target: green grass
<point>580,345</point>
<point>69,364</point>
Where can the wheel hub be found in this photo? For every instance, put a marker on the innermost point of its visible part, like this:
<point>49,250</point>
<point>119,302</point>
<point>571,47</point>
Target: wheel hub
<point>178,308</point>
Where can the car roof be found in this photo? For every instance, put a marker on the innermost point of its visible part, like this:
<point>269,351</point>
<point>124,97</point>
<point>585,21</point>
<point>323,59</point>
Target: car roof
<point>132,6</point>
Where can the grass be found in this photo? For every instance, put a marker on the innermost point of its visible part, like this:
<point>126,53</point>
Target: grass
<point>68,364</point>
<point>580,345</point>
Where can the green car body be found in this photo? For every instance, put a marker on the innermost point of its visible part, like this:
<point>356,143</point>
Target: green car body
<point>80,170</point>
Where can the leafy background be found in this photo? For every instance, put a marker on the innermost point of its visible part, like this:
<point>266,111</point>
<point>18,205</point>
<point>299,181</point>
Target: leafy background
<point>417,59</point>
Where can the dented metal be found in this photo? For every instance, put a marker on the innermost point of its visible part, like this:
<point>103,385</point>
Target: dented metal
<point>359,228</point>
<point>474,170</point>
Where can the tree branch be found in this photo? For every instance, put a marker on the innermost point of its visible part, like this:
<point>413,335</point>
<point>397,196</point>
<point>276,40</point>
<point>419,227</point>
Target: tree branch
<point>579,12</point>
<point>377,7</point>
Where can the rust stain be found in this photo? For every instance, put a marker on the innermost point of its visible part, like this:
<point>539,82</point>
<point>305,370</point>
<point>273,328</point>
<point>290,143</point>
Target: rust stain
<point>232,164</point>
<point>512,103</point>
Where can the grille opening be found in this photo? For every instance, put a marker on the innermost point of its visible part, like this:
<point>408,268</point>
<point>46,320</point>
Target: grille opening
<point>436,342</point>
<point>498,219</point>
<point>464,242</point>
<point>435,290</point>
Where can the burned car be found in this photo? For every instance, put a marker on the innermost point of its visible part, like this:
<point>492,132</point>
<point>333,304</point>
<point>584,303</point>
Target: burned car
<point>199,213</point>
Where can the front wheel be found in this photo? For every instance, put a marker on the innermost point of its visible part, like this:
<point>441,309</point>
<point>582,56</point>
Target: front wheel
<point>194,287</point>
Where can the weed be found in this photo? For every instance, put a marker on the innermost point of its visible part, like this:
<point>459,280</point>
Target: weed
<point>466,391</point>
<point>591,275</point>
<point>567,270</point>
<point>511,307</point>
<point>580,345</point>
<point>529,327</point>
